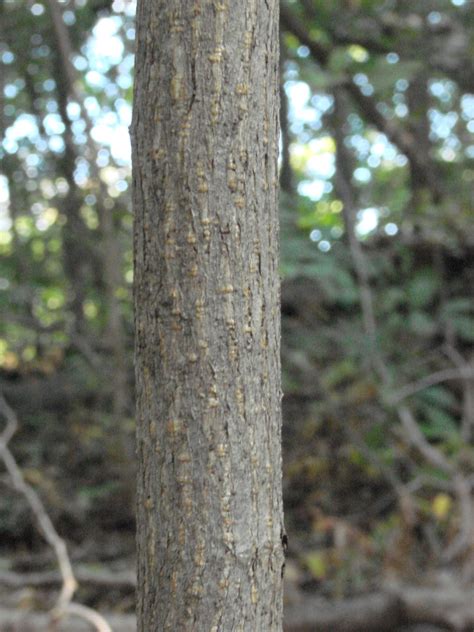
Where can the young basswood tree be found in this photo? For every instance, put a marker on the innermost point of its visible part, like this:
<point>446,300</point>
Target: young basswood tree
<point>205,141</point>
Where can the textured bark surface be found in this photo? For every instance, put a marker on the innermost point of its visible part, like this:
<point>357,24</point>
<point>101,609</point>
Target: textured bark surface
<point>205,139</point>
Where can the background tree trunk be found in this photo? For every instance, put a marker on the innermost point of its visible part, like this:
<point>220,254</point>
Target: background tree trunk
<point>205,138</point>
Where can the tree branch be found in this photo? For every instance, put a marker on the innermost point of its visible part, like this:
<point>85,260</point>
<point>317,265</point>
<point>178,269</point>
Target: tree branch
<point>403,139</point>
<point>290,22</point>
<point>64,604</point>
<point>344,186</point>
<point>106,578</point>
<point>464,373</point>
<point>111,255</point>
<point>441,608</point>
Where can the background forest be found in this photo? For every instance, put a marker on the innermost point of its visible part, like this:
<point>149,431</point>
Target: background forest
<point>377,239</point>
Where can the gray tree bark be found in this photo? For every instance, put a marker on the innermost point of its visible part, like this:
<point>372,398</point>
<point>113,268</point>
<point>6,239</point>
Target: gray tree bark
<point>205,141</point>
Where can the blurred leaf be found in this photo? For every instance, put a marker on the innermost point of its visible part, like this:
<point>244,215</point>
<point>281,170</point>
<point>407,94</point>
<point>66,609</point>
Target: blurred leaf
<point>456,306</point>
<point>383,75</point>
<point>439,396</point>
<point>423,287</point>
<point>339,60</point>
<point>440,425</point>
<point>392,297</point>
<point>464,327</point>
<point>316,563</point>
<point>375,437</point>
<point>338,373</point>
<point>441,506</point>
<point>421,323</point>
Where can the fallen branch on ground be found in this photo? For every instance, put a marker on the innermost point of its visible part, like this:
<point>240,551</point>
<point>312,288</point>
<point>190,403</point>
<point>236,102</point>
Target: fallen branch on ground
<point>20,621</point>
<point>111,579</point>
<point>447,607</point>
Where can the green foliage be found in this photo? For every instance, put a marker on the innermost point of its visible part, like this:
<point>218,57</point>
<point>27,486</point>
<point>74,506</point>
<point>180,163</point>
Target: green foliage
<point>383,75</point>
<point>439,424</point>
<point>415,230</point>
<point>423,287</point>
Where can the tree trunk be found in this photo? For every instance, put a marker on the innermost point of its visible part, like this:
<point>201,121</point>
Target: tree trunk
<point>205,140</point>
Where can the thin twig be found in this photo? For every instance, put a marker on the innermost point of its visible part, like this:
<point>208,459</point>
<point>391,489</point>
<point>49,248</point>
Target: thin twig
<point>64,604</point>
<point>400,137</point>
<point>88,614</point>
<point>461,484</point>
<point>462,373</point>
<point>12,422</point>
<point>111,254</point>
<point>465,538</point>
<point>124,580</point>
<point>467,368</point>
<point>46,526</point>
<point>413,432</point>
